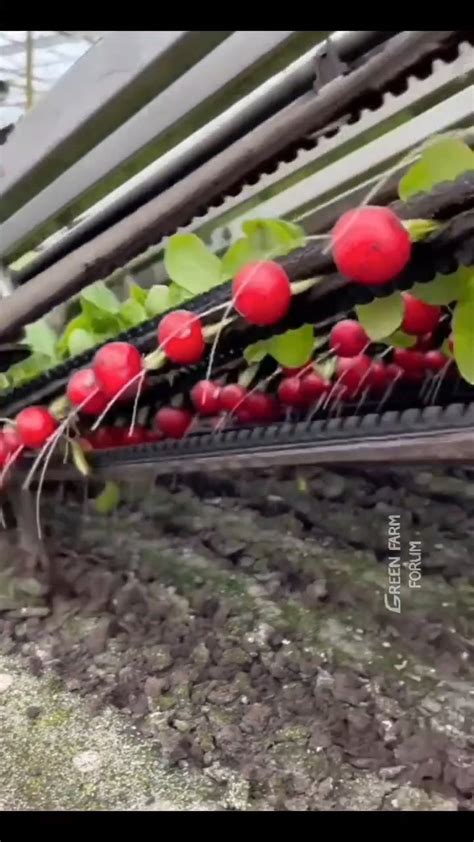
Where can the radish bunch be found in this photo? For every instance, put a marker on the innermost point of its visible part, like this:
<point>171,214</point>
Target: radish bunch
<point>369,245</point>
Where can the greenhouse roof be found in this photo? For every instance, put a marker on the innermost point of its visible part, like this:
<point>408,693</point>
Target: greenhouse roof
<point>31,63</point>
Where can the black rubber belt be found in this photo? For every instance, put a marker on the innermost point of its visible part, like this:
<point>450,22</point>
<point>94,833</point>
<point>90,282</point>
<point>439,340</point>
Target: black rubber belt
<point>432,419</point>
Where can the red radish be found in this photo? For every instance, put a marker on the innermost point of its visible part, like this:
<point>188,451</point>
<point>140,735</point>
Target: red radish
<point>243,415</point>
<point>118,435</point>
<point>181,337</point>
<point>261,293</point>
<point>35,425</point>
<point>10,446</point>
<point>137,436</point>
<point>290,392</point>
<point>393,373</point>
<point>419,318</point>
<point>115,365</point>
<point>274,409</point>
<point>174,423</point>
<point>424,343</point>
<point>99,439</point>
<point>106,438</point>
<point>352,373</point>
<point>370,245</point>
<point>348,338</point>
<point>82,386</point>
<point>5,452</point>
<point>377,377</point>
<point>414,375</point>
<point>409,361</point>
<point>129,394</point>
<point>412,364</point>
<point>313,386</point>
<point>153,436</point>
<point>265,407</point>
<point>230,396</point>
<point>260,407</point>
<point>11,439</point>
<point>436,361</point>
<point>339,393</point>
<point>205,397</point>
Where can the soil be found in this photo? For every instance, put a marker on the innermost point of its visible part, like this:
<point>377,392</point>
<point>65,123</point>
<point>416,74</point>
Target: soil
<point>239,624</point>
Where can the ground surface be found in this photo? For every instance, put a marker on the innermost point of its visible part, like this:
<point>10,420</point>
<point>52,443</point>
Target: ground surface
<point>225,645</point>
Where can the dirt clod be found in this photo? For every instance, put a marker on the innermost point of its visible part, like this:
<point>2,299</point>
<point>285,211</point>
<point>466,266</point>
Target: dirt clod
<point>255,645</point>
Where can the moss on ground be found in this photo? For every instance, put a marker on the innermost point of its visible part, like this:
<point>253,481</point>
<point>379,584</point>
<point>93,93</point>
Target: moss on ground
<point>55,756</point>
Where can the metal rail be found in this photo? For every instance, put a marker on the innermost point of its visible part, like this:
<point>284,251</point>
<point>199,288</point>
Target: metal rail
<point>132,235</point>
<point>442,435</point>
<point>322,163</point>
<point>446,447</point>
<point>312,437</point>
<point>333,179</point>
<point>112,81</point>
<point>243,59</point>
<point>316,186</point>
<point>327,172</point>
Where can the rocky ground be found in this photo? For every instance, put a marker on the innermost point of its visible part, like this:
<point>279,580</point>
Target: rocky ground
<point>232,634</point>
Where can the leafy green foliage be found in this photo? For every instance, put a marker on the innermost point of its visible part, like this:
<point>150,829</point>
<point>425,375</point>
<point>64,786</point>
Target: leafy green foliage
<point>290,349</point>
<point>132,312</point>
<point>257,352</point>
<point>79,459</point>
<point>101,308</point>
<point>28,369</point>
<point>192,268</point>
<point>100,297</point>
<point>237,256</point>
<point>137,293</point>
<point>399,339</point>
<point>157,300</point>
<point>191,264</point>
<point>273,237</point>
<point>301,483</point>
<point>77,323</point>
<point>80,340</point>
<point>264,239</point>
<point>444,289</point>
<point>178,295</point>
<point>42,339</point>
<point>293,348</point>
<point>108,500</point>
<point>23,261</point>
<point>326,368</point>
<point>420,228</point>
<point>382,317</point>
<point>463,331</point>
<point>444,160</point>
<point>248,375</point>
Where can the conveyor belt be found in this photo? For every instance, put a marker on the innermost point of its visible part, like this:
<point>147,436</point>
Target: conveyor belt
<point>440,253</point>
